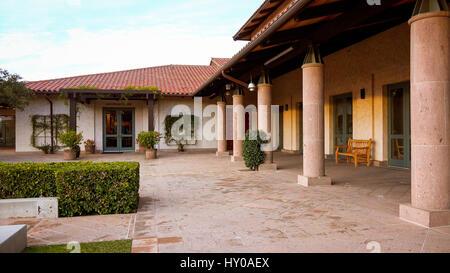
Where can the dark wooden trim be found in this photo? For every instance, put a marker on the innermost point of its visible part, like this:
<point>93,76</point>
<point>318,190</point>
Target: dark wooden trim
<point>106,91</point>
<point>73,113</point>
<point>52,141</point>
<point>150,104</point>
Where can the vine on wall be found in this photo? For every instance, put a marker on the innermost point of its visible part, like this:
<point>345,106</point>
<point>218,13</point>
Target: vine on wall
<point>168,123</point>
<point>41,134</point>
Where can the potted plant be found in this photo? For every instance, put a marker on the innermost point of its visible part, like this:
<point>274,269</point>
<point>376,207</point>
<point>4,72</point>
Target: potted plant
<point>149,140</point>
<point>89,146</point>
<point>72,141</point>
<point>141,147</point>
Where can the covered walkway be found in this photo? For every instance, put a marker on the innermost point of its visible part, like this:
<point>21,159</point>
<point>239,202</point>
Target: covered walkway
<point>196,202</point>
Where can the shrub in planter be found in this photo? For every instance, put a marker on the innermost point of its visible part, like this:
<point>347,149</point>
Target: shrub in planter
<point>149,140</point>
<point>72,141</point>
<point>89,146</point>
<point>98,188</point>
<point>28,180</point>
<point>252,152</point>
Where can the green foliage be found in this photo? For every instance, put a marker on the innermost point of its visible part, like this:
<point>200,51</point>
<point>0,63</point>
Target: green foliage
<point>98,188</point>
<point>169,121</point>
<point>82,188</point>
<point>149,139</point>
<point>13,92</point>
<point>147,88</point>
<point>84,87</point>
<point>41,129</point>
<point>28,180</point>
<point>252,152</point>
<point>155,90</point>
<point>71,139</point>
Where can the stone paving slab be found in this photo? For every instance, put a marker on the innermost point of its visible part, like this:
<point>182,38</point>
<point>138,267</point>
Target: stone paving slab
<point>212,205</point>
<point>80,229</point>
<point>196,202</point>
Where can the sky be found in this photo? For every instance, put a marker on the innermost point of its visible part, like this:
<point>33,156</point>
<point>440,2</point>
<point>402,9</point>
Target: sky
<point>47,39</point>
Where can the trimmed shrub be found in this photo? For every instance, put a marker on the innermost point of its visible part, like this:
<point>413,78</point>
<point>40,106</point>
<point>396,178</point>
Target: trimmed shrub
<point>101,188</point>
<point>28,180</point>
<point>252,153</point>
<point>82,188</point>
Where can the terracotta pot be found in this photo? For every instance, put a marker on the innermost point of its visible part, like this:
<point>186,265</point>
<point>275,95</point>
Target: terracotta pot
<point>141,149</point>
<point>90,149</point>
<point>150,154</point>
<point>70,154</point>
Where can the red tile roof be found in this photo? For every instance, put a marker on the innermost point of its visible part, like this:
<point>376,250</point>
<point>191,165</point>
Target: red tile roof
<point>175,80</point>
<point>219,61</point>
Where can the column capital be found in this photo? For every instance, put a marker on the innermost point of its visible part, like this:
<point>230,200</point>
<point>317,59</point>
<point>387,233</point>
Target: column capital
<point>429,6</point>
<point>428,15</point>
<point>264,78</point>
<point>313,55</point>
<point>221,102</point>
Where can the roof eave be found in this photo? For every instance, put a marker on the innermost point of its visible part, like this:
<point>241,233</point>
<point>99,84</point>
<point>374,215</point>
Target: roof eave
<point>251,45</point>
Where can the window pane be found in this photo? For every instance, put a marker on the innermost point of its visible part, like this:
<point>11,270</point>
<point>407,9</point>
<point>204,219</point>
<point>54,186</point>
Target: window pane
<point>127,122</point>
<point>397,111</point>
<point>111,123</point>
<point>398,149</point>
<point>111,142</point>
<point>127,142</point>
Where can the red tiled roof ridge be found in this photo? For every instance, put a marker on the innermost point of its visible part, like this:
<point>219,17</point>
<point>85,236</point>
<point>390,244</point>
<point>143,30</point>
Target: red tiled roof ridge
<point>118,71</point>
<point>172,79</point>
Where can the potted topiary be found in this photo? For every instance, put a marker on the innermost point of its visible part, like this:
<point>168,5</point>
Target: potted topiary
<point>89,146</point>
<point>72,141</point>
<point>149,140</point>
<point>252,153</point>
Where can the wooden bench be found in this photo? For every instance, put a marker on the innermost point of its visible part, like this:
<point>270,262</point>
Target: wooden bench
<point>358,149</point>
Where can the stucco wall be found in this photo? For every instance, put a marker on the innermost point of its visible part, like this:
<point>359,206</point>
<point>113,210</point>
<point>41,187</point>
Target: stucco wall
<point>37,106</point>
<point>90,119</point>
<point>371,64</point>
<point>164,107</point>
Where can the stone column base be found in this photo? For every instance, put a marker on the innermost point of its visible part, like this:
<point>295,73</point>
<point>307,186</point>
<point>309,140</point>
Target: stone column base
<point>236,158</point>
<point>427,218</point>
<point>314,181</point>
<point>268,167</point>
<point>222,154</point>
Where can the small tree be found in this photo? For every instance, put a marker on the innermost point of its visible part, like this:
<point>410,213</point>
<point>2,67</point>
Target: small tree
<point>252,152</point>
<point>13,92</point>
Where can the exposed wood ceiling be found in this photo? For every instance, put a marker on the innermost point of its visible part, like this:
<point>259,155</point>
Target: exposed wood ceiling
<point>334,24</point>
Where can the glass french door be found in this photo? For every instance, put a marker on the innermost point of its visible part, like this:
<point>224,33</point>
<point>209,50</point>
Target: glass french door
<point>343,119</point>
<point>118,130</point>
<point>399,125</point>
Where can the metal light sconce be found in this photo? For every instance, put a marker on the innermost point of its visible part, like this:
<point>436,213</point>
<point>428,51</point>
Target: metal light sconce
<point>251,86</point>
<point>228,88</point>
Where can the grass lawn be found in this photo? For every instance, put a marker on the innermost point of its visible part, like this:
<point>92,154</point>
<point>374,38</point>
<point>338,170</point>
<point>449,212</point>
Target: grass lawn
<point>123,246</point>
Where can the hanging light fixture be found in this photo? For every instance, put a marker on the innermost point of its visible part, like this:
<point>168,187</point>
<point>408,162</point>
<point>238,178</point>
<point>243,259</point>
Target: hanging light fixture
<point>252,86</point>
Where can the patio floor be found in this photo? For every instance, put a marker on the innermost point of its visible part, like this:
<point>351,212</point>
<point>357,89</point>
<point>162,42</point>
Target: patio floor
<point>195,202</point>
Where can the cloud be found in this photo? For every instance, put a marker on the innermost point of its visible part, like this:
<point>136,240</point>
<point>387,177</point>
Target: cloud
<point>38,56</point>
<point>183,33</point>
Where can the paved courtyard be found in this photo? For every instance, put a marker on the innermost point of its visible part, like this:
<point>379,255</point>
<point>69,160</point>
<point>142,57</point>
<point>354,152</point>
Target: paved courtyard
<point>195,202</point>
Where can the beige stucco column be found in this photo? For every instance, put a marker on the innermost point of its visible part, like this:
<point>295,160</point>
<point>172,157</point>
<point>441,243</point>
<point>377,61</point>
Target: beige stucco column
<point>313,121</point>
<point>238,126</point>
<point>430,120</point>
<point>221,129</point>
<point>265,118</point>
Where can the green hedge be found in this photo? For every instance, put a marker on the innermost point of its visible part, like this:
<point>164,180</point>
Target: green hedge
<point>83,188</point>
